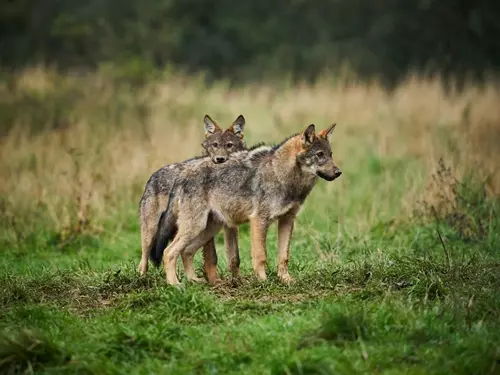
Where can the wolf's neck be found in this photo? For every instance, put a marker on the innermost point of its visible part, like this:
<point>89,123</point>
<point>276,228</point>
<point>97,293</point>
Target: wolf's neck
<point>294,181</point>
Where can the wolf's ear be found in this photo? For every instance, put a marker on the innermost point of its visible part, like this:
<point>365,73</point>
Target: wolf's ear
<point>326,133</point>
<point>211,126</point>
<point>238,126</point>
<point>307,136</point>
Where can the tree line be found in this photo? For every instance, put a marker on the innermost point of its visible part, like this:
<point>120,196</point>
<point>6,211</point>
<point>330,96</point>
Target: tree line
<point>247,40</point>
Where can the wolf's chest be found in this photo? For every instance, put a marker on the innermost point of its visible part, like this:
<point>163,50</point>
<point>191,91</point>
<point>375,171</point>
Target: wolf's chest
<point>287,201</point>
<point>279,208</point>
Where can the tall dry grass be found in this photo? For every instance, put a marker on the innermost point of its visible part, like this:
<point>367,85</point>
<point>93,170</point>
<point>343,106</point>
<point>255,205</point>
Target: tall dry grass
<point>102,140</point>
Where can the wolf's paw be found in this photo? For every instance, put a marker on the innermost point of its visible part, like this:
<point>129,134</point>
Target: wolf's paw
<point>196,279</point>
<point>285,278</point>
<point>261,275</point>
<point>235,272</point>
<point>173,281</point>
<point>142,269</point>
<point>214,281</point>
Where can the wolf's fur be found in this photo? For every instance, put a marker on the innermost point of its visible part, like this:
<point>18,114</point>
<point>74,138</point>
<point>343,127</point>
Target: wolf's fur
<point>218,145</point>
<point>167,229</point>
<point>261,186</point>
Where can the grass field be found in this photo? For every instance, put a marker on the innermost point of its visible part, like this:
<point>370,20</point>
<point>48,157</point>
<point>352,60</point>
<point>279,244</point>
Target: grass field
<point>396,263</point>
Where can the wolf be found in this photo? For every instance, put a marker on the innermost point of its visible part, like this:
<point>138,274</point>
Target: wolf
<point>167,229</point>
<point>218,145</point>
<point>259,186</point>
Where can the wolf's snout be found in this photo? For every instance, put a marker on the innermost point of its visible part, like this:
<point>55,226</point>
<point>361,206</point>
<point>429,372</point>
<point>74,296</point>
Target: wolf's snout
<point>330,175</point>
<point>220,159</point>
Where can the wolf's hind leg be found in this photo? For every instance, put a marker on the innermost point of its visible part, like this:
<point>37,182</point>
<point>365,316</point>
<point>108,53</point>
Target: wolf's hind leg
<point>148,233</point>
<point>170,258</point>
<point>233,253</point>
<point>188,263</point>
<point>181,245</point>
<point>207,235</point>
<point>210,262</point>
<point>190,230</point>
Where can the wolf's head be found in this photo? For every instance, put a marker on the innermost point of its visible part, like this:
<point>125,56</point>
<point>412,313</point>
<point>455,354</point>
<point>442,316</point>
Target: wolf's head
<point>219,143</point>
<point>315,156</point>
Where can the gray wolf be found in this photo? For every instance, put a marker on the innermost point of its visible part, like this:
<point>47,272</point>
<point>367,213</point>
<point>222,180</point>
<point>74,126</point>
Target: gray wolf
<point>259,186</point>
<point>218,145</point>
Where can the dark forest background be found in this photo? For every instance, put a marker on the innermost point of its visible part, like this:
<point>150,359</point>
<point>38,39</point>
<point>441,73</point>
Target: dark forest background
<point>258,39</point>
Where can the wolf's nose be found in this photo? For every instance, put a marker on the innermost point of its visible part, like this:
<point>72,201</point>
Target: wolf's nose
<point>220,159</point>
<point>337,172</point>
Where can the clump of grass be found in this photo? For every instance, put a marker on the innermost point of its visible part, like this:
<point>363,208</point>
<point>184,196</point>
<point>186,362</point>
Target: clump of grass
<point>125,344</point>
<point>27,352</point>
<point>462,206</point>
<point>61,287</point>
<point>339,328</point>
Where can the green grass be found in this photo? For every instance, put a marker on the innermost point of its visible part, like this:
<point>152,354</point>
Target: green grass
<point>392,300</point>
<point>384,283</point>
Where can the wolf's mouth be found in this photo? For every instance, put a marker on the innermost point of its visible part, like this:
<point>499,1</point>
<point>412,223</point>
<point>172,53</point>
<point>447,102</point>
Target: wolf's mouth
<point>328,177</point>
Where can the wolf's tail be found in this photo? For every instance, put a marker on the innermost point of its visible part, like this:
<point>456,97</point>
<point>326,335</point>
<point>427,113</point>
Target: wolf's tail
<point>166,231</point>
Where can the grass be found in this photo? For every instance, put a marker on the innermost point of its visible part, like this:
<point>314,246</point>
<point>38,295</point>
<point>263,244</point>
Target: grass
<point>396,263</point>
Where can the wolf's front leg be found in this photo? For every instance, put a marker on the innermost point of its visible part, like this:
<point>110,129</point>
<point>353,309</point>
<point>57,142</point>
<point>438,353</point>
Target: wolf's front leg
<point>233,253</point>
<point>258,229</point>
<point>285,229</point>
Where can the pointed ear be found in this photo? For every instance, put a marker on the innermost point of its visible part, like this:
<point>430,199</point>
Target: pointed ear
<point>238,126</point>
<point>210,125</point>
<point>326,133</point>
<point>307,136</point>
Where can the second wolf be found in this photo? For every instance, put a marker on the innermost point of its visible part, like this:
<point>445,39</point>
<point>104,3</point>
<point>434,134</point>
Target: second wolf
<point>218,145</point>
<point>259,186</point>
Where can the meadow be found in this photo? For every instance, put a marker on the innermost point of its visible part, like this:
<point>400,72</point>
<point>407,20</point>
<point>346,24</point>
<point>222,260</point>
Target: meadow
<point>396,263</point>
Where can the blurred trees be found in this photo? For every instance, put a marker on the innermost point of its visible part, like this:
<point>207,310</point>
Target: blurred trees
<point>244,40</point>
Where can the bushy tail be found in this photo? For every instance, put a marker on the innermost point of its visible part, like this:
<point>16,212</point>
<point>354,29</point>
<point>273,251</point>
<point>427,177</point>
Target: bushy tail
<point>165,232</point>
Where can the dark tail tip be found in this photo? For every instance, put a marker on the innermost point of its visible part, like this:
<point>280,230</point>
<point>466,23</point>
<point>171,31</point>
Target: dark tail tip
<point>152,254</point>
<point>167,229</point>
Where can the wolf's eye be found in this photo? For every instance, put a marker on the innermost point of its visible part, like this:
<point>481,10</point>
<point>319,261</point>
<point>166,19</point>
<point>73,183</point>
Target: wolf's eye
<point>320,154</point>
<point>215,145</point>
<point>229,145</point>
